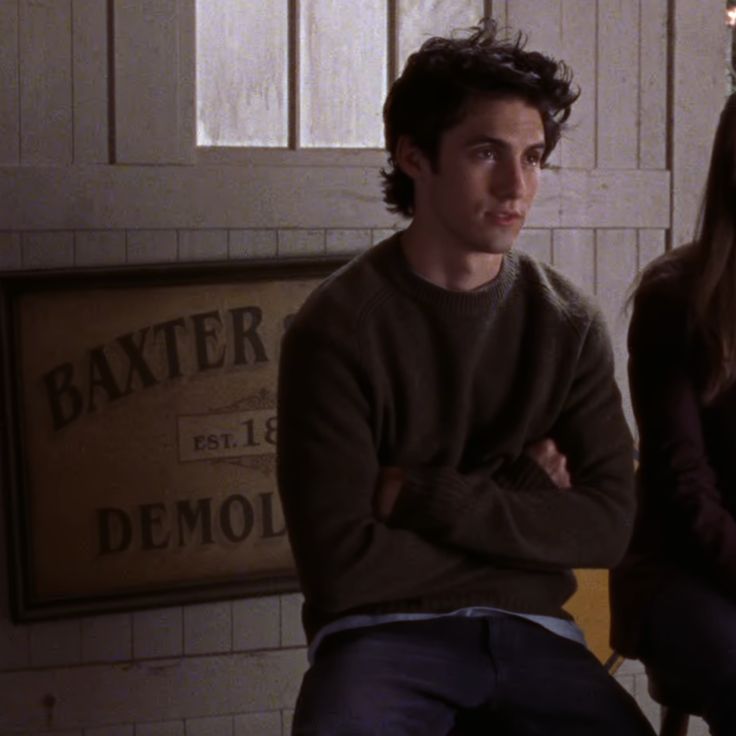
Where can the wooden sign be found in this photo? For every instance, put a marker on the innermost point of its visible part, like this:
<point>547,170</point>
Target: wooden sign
<point>139,434</point>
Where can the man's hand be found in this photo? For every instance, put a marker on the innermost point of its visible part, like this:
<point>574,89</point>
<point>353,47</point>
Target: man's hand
<point>388,488</point>
<point>546,454</point>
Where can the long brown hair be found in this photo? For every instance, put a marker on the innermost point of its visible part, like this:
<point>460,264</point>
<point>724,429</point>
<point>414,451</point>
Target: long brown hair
<point>711,259</point>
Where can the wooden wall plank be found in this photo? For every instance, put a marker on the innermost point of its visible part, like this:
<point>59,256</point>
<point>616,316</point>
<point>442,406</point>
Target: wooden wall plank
<point>187,80</point>
<point>9,84</point>
<point>90,69</point>
<point>616,268</point>
<point>606,198</point>
<point>420,19</point>
<point>573,253</point>
<point>542,23</point>
<point>154,115</point>
<point>616,265</point>
<point>577,148</point>
<point>537,243</point>
<point>618,88</point>
<point>653,85</point>
<point>652,243</point>
<point>698,90</point>
<point>46,81</point>
<point>101,197</point>
<point>547,206</point>
<point>499,12</point>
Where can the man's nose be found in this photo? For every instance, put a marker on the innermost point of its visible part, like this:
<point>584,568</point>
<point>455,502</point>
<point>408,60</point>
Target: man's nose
<point>510,183</point>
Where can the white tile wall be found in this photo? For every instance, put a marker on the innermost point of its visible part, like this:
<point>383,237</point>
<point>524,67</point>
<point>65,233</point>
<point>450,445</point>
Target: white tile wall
<point>202,245</point>
<point>292,632</point>
<point>347,241</point>
<point>287,717</point>
<point>10,251</point>
<point>124,730</point>
<point>99,247</point>
<point>698,727</point>
<point>158,633</point>
<point>627,682</point>
<point>208,628</point>
<point>632,677</point>
<point>641,693</point>
<point>217,726</point>
<point>301,243</point>
<point>107,638</point>
<point>379,234</point>
<point>258,724</point>
<point>256,623</point>
<point>48,249</point>
<point>253,243</point>
<point>56,643</point>
<point>153,691</point>
<point>629,667</point>
<point>164,728</point>
<point>151,246</point>
<point>15,648</point>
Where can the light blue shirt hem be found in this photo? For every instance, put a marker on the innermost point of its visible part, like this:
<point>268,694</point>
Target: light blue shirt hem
<point>560,626</point>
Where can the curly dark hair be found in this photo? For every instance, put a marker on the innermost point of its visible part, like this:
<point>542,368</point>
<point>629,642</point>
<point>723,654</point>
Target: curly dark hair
<point>446,74</point>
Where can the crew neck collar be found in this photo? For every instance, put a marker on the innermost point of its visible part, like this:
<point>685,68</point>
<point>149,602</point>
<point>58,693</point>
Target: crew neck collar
<point>481,299</point>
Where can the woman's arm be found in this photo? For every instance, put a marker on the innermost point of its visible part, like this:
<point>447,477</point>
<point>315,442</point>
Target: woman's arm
<point>674,455</point>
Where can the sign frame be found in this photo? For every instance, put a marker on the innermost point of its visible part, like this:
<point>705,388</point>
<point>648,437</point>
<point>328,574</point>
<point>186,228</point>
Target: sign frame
<point>192,349</point>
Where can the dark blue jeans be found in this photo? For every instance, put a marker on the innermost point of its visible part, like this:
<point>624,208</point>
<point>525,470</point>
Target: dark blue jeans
<point>498,676</point>
<point>689,643</point>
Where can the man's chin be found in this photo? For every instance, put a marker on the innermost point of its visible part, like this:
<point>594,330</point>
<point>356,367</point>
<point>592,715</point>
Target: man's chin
<point>499,246</point>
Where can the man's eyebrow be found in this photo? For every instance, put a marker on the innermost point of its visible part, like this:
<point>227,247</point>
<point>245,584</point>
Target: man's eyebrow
<point>487,139</point>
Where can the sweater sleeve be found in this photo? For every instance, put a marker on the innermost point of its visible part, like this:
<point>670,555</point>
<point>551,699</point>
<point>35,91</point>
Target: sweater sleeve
<point>327,472</point>
<point>674,451</point>
<point>517,512</point>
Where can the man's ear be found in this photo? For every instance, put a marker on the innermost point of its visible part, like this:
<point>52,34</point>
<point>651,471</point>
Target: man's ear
<point>410,158</point>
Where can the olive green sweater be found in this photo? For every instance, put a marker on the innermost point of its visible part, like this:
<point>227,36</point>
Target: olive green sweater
<point>382,368</point>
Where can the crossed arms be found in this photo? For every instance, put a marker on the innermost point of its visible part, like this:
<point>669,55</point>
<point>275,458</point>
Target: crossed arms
<point>352,544</point>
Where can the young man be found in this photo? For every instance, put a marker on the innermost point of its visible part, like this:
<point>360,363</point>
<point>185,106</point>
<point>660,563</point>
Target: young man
<point>451,440</point>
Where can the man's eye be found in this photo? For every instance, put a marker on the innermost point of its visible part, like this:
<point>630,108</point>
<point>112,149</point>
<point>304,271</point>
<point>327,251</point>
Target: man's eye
<point>534,159</point>
<point>487,153</point>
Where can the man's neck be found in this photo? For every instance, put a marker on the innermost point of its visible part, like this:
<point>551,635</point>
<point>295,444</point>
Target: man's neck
<point>454,269</point>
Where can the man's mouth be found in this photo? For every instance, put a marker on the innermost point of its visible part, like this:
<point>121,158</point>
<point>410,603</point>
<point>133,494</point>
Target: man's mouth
<point>505,218</point>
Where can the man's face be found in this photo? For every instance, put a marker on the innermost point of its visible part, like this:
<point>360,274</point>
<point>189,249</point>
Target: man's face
<point>478,194</point>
